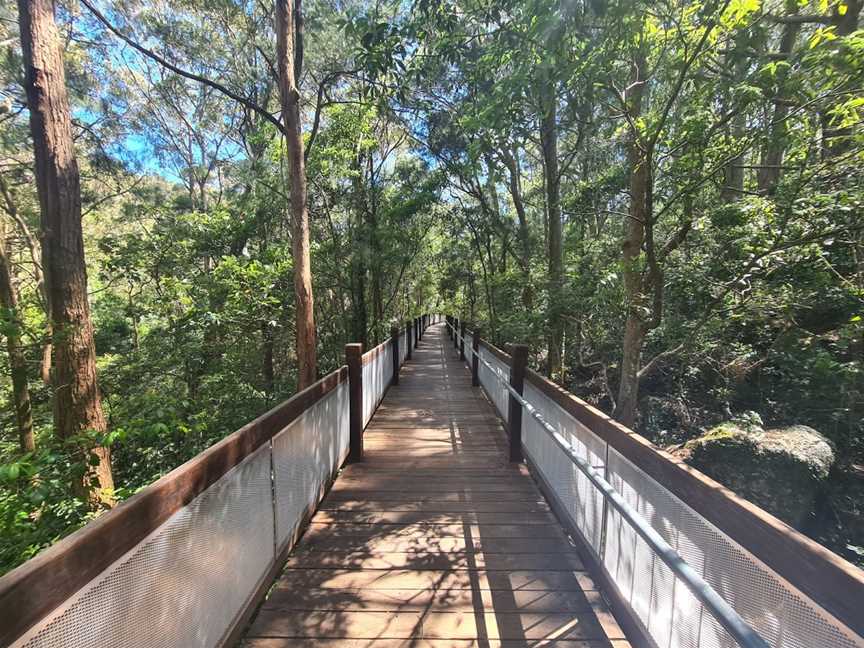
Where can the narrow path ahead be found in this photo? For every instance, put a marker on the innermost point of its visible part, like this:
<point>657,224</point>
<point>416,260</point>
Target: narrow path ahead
<point>434,540</point>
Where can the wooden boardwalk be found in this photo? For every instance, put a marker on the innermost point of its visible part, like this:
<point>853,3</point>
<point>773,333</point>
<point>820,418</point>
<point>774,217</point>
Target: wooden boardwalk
<point>434,540</point>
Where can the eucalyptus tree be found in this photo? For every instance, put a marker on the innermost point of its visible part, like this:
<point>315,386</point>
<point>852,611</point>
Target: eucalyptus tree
<point>77,401</point>
<point>285,65</point>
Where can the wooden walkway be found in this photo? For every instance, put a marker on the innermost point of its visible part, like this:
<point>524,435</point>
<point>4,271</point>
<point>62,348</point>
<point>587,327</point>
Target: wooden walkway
<point>434,540</point>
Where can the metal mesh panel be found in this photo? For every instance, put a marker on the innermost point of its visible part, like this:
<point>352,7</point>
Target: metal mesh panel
<point>185,583</point>
<point>781,615</point>
<point>376,378</point>
<point>577,494</point>
<point>665,606</point>
<point>305,456</point>
<point>494,389</point>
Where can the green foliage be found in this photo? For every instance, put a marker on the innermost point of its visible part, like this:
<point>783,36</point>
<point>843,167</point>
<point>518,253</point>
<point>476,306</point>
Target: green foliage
<point>428,191</point>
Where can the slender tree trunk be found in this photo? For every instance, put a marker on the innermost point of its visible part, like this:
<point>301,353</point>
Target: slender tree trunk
<point>35,258</point>
<point>289,49</point>
<point>17,360</point>
<point>639,162</point>
<point>549,144</point>
<point>515,186</point>
<point>769,171</point>
<point>359,319</point>
<point>375,255</point>
<point>267,367</point>
<point>733,174</point>
<point>360,251</point>
<point>77,403</point>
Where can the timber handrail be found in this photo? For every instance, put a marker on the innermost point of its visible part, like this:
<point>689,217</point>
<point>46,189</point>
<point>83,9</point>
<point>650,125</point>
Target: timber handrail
<point>37,587</point>
<point>256,489</point>
<point>374,352</point>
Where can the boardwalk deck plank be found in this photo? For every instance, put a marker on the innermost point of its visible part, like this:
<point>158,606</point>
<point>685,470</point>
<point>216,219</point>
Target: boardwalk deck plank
<point>434,540</point>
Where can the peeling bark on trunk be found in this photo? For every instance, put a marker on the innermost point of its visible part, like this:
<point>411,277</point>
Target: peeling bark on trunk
<point>289,49</point>
<point>77,403</point>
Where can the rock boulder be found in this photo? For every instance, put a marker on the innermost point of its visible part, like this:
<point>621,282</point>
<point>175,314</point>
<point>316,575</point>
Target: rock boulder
<point>779,469</point>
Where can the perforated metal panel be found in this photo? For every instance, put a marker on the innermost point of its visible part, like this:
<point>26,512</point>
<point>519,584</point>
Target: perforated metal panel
<point>494,389</point>
<point>582,500</point>
<point>377,376</point>
<point>184,584</point>
<point>305,455</point>
<point>671,615</point>
<point>778,612</point>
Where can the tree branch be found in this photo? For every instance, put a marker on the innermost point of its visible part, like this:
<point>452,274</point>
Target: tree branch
<point>184,73</point>
<point>651,365</point>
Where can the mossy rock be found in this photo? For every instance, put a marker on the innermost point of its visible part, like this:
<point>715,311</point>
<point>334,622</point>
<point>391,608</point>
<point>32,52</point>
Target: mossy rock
<point>780,469</point>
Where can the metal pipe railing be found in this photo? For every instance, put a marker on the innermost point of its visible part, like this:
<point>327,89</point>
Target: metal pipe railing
<point>725,614</point>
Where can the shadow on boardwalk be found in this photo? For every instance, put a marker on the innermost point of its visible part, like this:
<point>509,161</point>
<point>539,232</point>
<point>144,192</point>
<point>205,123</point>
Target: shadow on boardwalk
<point>434,540</point>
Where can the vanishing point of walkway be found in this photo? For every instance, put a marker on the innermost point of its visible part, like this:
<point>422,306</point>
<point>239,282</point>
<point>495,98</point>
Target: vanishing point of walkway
<point>434,540</point>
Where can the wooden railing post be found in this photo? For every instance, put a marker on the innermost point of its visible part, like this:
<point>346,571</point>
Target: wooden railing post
<point>416,332</point>
<point>519,360</point>
<point>462,340</point>
<point>475,358</point>
<point>455,328</point>
<point>408,341</point>
<point>354,360</point>
<point>449,324</point>
<point>394,338</point>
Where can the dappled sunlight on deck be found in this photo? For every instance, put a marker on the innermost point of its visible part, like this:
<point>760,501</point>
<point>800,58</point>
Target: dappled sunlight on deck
<point>435,539</point>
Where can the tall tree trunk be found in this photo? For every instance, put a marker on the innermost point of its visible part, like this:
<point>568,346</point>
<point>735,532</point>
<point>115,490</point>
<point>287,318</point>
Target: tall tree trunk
<point>639,163</point>
<point>515,185</point>
<point>359,318</point>
<point>375,255</point>
<point>359,249</point>
<point>769,171</point>
<point>77,403</point>
<point>289,50</point>
<point>17,360</point>
<point>549,144</point>
<point>733,174</point>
